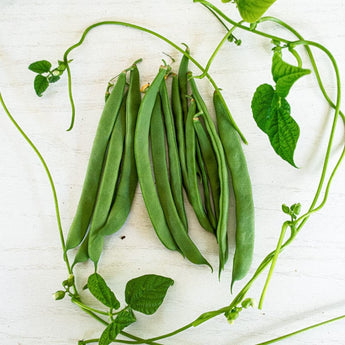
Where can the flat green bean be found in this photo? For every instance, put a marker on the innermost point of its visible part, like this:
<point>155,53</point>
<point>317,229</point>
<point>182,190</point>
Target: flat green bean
<point>128,178</point>
<point>242,189</point>
<point>173,155</point>
<point>87,200</point>
<point>107,184</point>
<point>179,125</point>
<point>164,188</point>
<point>183,83</point>
<point>83,252</point>
<point>222,236</point>
<point>205,185</point>
<point>193,188</point>
<point>142,158</point>
<point>210,161</point>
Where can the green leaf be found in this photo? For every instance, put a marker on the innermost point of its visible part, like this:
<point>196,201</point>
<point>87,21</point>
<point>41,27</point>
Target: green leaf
<point>286,209</point>
<point>41,66</point>
<point>53,78</point>
<point>285,75</point>
<point>123,320</point>
<point>41,84</point>
<point>146,293</point>
<point>272,115</point>
<point>62,66</point>
<point>252,10</point>
<point>101,291</point>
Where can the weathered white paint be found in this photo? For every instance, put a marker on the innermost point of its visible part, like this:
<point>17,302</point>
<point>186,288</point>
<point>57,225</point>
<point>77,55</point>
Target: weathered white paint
<point>309,282</point>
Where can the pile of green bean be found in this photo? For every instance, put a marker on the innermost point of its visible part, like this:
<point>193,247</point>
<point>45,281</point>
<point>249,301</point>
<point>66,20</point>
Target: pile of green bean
<point>169,144</point>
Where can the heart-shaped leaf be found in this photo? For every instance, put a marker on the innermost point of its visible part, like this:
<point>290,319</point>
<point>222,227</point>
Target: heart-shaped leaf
<point>41,84</point>
<point>123,319</point>
<point>252,10</point>
<point>146,293</point>
<point>272,115</point>
<point>285,75</point>
<point>41,66</point>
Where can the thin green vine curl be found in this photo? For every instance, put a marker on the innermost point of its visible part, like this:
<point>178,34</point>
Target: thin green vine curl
<point>140,28</point>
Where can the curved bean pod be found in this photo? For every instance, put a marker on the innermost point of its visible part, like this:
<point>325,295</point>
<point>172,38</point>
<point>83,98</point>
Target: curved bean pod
<point>83,252</point>
<point>222,236</point>
<point>87,200</point>
<point>107,184</point>
<point>128,178</point>
<point>183,83</point>
<point>173,155</point>
<point>142,158</point>
<point>164,188</point>
<point>245,226</point>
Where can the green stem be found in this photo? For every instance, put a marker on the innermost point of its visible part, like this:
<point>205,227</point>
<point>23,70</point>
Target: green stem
<point>274,261</point>
<point>140,28</point>
<point>126,334</point>
<point>86,307</point>
<point>301,330</point>
<point>89,341</point>
<point>240,26</point>
<point>51,182</point>
<point>209,62</point>
<point>167,335</point>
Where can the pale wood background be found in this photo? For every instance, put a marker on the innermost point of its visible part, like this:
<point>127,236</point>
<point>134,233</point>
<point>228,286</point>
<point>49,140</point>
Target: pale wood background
<point>309,282</point>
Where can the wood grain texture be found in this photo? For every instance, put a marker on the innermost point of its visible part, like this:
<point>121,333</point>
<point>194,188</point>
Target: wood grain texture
<point>309,283</point>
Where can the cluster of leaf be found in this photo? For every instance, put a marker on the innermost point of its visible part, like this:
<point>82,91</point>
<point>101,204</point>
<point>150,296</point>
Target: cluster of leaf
<point>272,111</point>
<point>46,75</point>
<point>293,211</point>
<point>144,294</point>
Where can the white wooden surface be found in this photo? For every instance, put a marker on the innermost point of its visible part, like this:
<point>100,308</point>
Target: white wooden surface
<point>309,282</point>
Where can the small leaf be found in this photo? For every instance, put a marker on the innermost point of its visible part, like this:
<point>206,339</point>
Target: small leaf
<point>286,209</point>
<point>109,334</point>
<point>252,10</point>
<point>41,84</point>
<point>296,208</point>
<point>62,66</point>
<point>123,320</point>
<point>53,78</point>
<point>146,293</point>
<point>41,66</point>
<point>101,291</point>
<point>272,115</point>
<point>284,74</point>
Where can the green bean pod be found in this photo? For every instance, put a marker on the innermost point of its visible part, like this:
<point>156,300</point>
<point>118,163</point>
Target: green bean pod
<point>205,185</point>
<point>128,178</point>
<point>245,225</point>
<point>183,83</point>
<point>107,184</point>
<point>142,158</point>
<point>179,125</point>
<point>210,161</point>
<point>83,252</point>
<point>222,236</point>
<point>173,155</point>
<point>164,188</point>
<point>193,187</point>
<point>87,200</point>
